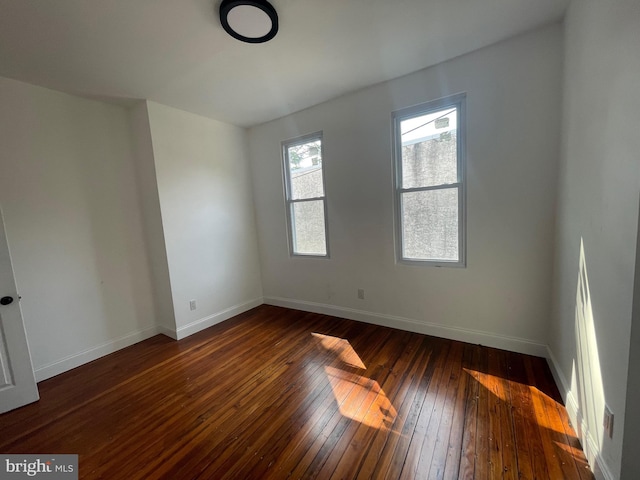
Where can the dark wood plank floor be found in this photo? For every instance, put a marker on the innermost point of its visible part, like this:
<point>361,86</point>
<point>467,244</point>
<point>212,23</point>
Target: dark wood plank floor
<point>276,393</point>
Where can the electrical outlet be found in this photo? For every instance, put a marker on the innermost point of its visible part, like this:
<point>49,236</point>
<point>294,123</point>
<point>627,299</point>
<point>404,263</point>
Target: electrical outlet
<point>361,293</point>
<point>607,422</point>
<point>192,305</point>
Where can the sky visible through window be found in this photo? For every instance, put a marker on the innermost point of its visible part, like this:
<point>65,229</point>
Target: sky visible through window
<point>416,128</point>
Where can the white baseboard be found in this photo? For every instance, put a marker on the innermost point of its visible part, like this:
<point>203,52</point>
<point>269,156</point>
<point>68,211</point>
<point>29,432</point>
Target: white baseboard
<point>504,342</point>
<point>169,332</point>
<point>211,320</point>
<point>591,450</point>
<point>86,356</point>
<point>558,376</point>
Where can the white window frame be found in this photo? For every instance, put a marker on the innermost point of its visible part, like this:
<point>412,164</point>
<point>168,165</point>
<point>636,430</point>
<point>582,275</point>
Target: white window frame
<point>290,202</point>
<point>459,102</point>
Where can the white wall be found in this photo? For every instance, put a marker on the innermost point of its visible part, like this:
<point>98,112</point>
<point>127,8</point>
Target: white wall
<point>152,217</point>
<point>208,219</point>
<point>73,222</point>
<point>502,297</point>
<point>116,219</point>
<point>630,459</point>
<point>598,208</point>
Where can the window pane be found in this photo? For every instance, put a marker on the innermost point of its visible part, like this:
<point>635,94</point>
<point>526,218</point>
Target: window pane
<point>305,167</point>
<point>429,149</point>
<point>430,225</point>
<point>308,228</point>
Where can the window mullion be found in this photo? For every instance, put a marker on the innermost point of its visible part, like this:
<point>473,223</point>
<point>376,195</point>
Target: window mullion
<point>431,187</point>
<point>310,199</point>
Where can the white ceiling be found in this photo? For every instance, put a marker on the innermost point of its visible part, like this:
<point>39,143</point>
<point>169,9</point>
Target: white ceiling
<point>175,52</point>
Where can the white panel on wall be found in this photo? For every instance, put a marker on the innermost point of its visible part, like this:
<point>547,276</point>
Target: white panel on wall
<point>208,218</point>
<point>152,217</point>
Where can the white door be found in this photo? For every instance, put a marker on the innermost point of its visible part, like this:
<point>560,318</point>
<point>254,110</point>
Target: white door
<point>17,382</point>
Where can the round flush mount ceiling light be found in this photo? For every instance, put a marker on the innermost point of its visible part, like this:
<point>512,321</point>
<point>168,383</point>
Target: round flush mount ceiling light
<point>252,21</point>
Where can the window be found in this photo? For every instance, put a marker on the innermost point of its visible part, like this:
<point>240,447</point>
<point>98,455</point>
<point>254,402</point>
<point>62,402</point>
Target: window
<point>305,197</point>
<point>429,182</point>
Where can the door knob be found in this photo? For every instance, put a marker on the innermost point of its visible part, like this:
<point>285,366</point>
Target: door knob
<point>6,300</point>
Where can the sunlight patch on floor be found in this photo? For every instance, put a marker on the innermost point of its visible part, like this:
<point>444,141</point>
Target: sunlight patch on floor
<point>361,399</point>
<point>358,397</point>
<point>539,399</point>
<point>341,348</point>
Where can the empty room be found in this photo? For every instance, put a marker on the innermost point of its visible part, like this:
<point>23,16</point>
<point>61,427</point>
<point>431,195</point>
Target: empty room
<point>340,239</point>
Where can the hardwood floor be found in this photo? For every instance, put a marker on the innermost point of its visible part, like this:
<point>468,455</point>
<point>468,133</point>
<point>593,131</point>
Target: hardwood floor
<point>276,393</point>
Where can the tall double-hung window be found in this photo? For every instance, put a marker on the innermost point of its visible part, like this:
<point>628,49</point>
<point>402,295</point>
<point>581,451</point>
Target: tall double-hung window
<point>305,196</point>
<point>429,162</point>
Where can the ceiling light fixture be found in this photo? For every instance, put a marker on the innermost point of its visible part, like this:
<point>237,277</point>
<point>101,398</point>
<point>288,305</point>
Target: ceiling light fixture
<point>251,21</point>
